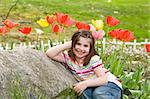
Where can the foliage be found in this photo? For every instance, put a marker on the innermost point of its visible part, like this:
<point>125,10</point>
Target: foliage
<point>134,85</point>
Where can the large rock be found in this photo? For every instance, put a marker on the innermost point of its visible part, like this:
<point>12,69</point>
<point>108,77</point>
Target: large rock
<point>34,69</point>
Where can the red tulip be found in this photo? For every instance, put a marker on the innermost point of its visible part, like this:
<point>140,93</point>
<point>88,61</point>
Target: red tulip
<point>81,25</point>
<point>115,33</point>
<point>50,19</point>
<point>25,30</point>
<point>64,19</point>
<point>123,35</point>
<point>111,21</point>
<point>61,18</point>
<point>69,22</point>
<point>87,27</point>
<point>55,28</point>
<point>126,36</point>
<point>10,24</point>
<point>3,30</point>
<point>147,47</point>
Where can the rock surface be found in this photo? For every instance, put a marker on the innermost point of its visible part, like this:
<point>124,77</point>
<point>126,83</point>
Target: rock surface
<point>34,66</point>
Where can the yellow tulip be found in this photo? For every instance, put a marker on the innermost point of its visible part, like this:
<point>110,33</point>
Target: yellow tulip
<point>98,24</point>
<point>43,23</point>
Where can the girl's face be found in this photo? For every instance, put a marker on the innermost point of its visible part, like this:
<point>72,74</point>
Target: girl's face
<point>82,47</point>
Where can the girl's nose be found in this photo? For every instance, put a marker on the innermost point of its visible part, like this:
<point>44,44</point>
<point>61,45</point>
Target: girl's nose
<point>81,48</point>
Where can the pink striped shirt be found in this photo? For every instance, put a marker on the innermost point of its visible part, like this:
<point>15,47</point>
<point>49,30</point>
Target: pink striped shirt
<point>87,72</point>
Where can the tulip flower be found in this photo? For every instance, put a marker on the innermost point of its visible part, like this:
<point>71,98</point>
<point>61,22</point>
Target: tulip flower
<point>50,19</point>
<point>55,28</point>
<point>126,36</point>
<point>123,35</point>
<point>111,21</point>
<point>87,27</point>
<point>81,25</point>
<point>43,23</point>
<point>61,18</point>
<point>147,47</point>
<point>64,19</point>
<point>98,34</point>
<point>3,30</point>
<point>10,24</point>
<point>69,22</point>
<point>98,24</point>
<point>115,33</point>
<point>25,30</point>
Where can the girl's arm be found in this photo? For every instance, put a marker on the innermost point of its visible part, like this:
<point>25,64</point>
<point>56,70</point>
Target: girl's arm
<point>100,80</point>
<point>56,51</point>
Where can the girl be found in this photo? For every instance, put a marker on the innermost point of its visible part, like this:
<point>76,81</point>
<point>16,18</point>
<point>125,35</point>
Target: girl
<point>96,82</point>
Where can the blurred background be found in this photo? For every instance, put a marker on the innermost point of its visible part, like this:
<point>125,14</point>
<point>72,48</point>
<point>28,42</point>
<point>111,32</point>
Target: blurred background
<point>134,15</point>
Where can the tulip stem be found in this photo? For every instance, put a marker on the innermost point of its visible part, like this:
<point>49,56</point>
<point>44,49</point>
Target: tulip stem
<point>107,32</point>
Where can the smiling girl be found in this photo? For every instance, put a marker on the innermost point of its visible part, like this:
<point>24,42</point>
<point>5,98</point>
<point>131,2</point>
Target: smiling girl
<point>95,81</point>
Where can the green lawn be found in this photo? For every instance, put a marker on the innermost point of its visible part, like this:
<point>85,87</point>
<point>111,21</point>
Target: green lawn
<point>133,14</point>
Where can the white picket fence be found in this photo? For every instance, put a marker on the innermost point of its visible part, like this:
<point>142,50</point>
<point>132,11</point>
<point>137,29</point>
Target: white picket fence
<point>44,45</point>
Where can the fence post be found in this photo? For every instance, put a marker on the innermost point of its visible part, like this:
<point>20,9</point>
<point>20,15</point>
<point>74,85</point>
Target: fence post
<point>49,44</point>
<point>42,46</point>
<point>20,44</point>
<point>24,45</point>
<point>35,45</point>
<point>14,45</point>
<point>60,42</point>
<point>98,47</point>
<point>1,47</point>
<point>57,42</point>
<point>134,45</point>
<point>54,43</point>
<point>104,43</point>
<point>114,41</point>
<point>64,40</point>
<point>7,46</point>
<point>146,40</point>
<point>29,44</point>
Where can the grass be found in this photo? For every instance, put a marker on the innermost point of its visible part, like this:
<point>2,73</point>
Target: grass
<point>133,14</point>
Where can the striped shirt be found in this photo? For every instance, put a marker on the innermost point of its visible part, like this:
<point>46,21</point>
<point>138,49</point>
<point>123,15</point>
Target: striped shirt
<point>87,72</point>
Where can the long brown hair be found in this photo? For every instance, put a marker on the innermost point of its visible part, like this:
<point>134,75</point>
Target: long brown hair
<point>75,38</point>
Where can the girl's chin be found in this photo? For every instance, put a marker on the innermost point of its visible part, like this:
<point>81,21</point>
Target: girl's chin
<point>80,56</point>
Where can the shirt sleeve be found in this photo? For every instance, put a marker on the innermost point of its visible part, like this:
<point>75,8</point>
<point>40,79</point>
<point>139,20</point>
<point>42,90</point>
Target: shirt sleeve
<point>66,57</point>
<point>96,62</point>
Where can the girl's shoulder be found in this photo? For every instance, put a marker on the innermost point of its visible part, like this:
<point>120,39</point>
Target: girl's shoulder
<point>95,59</point>
<point>66,55</point>
<point>65,52</point>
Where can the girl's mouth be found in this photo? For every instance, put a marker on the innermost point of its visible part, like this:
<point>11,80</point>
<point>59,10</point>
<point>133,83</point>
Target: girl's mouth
<point>79,51</point>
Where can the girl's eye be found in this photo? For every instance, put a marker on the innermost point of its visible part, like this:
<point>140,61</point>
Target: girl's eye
<point>85,45</point>
<point>78,44</point>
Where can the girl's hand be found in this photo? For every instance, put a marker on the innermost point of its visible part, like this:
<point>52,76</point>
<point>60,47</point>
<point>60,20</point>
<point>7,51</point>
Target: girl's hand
<point>80,87</point>
<point>68,44</point>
